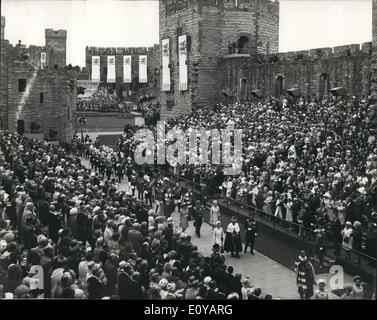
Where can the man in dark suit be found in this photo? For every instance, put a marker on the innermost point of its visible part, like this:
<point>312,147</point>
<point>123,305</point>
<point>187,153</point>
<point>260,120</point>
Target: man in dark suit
<point>251,233</point>
<point>213,294</point>
<point>128,289</point>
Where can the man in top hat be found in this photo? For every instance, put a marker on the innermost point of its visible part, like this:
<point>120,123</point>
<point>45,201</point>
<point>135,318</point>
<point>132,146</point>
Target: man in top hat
<point>251,233</point>
<point>232,241</point>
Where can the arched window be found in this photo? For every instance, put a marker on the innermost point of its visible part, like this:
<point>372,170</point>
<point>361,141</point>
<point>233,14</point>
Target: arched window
<point>243,45</point>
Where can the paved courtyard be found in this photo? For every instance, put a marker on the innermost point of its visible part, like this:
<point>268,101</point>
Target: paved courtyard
<point>265,273</point>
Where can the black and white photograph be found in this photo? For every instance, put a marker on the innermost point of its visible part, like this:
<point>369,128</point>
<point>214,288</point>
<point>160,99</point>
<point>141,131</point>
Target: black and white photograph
<point>194,150</point>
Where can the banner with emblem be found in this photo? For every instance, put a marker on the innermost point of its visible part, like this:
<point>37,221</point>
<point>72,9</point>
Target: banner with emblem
<point>182,45</point>
<point>143,78</point>
<point>110,69</point>
<point>95,68</point>
<point>165,65</point>
<point>127,69</point>
<point>43,60</point>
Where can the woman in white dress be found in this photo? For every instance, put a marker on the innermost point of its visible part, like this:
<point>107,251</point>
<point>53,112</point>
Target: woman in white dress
<point>218,234</point>
<point>347,239</point>
<point>214,214</point>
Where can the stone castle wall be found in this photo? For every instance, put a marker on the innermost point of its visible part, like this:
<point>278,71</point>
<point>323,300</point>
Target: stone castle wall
<point>50,96</point>
<point>211,25</point>
<point>314,72</point>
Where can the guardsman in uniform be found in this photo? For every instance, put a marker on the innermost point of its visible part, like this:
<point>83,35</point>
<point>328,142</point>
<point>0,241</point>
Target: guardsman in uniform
<point>198,212</point>
<point>251,233</point>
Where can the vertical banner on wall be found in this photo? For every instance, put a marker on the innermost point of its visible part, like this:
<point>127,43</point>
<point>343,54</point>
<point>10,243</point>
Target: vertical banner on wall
<point>143,78</point>
<point>182,45</point>
<point>110,69</point>
<point>43,60</point>
<point>165,65</point>
<point>95,68</point>
<point>127,69</point>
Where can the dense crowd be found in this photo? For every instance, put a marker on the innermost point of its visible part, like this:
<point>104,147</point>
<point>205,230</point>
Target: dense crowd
<point>88,238</point>
<point>305,161</point>
<point>101,101</point>
<point>151,109</point>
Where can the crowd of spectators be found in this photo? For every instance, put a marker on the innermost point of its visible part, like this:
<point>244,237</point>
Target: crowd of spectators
<point>307,161</point>
<point>89,239</point>
<point>102,101</point>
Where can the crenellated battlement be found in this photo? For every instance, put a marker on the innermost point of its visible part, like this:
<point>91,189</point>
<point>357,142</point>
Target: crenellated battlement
<point>119,50</point>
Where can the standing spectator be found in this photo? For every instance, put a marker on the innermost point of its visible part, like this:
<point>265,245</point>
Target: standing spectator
<point>347,234</point>
<point>232,241</point>
<point>336,232</point>
<point>198,212</point>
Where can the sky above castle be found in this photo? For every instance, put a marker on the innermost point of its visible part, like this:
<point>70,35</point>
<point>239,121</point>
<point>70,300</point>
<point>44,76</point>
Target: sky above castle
<point>304,24</point>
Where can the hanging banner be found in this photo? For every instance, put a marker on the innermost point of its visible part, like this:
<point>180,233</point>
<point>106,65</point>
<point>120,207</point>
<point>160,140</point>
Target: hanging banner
<point>182,45</point>
<point>143,78</point>
<point>127,69</point>
<point>43,60</point>
<point>165,65</point>
<point>95,68</point>
<point>110,69</point>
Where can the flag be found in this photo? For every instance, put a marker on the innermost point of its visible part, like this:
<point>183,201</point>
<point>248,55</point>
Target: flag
<point>95,68</point>
<point>182,46</point>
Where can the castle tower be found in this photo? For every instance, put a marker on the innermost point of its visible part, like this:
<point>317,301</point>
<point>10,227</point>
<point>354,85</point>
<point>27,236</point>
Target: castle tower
<point>56,43</point>
<point>374,48</point>
<point>210,26</point>
<point>2,27</point>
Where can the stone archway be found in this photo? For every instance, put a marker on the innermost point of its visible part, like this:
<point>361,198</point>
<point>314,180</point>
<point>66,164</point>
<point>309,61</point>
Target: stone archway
<point>243,44</point>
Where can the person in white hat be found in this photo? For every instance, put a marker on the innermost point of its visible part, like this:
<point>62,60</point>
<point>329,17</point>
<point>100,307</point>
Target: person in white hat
<point>232,241</point>
<point>321,293</point>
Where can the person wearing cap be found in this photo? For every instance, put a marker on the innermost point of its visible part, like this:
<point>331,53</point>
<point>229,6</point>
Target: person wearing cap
<point>305,276</point>
<point>371,243</point>
<point>347,241</point>
<point>198,212</point>
<point>232,241</point>
<point>251,233</point>
<point>218,235</point>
